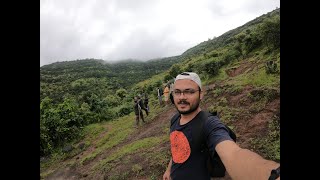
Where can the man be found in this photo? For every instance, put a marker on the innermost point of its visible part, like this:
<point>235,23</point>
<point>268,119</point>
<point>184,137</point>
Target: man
<point>146,101</point>
<point>160,92</point>
<point>171,91</point>
<point>138,106</point>
<point>166,94</point>
<point>188,162</point>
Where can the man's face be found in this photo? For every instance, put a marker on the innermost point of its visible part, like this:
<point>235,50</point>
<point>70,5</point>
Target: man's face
<point>186,96</point>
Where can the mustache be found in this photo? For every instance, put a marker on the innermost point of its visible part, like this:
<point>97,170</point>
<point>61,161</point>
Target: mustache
<point>183,102</point>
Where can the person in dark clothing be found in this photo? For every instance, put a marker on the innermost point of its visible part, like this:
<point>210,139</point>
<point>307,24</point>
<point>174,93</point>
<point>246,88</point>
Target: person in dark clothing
<point>138,107</point>
<point>160,93</point>
<point>146,102</point>
<point>187,161</point>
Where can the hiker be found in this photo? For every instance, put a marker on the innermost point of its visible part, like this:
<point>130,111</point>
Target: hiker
<point>146,102</point>
<point>160,93</point>
<point>171,93</point>
<point>166,94</point>
<point>187,161</point>
<point>138,106</point>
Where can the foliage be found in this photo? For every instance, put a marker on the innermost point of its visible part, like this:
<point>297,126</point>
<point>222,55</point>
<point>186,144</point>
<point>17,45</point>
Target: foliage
<point>74,94</point>
<point>58,124</point>
<point>269,146</point>
<point>130,148</point>
<point>270,32</point>
<point>174,70</point>
<point>271,67</point>
<point>121,93</point>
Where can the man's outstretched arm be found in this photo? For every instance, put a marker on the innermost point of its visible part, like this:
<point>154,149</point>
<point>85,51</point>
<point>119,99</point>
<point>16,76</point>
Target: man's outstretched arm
<point>244,164</point>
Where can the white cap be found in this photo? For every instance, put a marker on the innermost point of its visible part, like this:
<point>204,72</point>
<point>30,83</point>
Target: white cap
<point>189,75</point>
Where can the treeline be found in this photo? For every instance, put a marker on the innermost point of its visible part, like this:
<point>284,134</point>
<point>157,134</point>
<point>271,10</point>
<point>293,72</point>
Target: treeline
<point>74,94</point>
<point>228,37</point>
<point>208,57</point>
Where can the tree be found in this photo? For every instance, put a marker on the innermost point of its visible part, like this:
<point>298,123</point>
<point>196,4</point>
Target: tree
<point>270,32</point>
<point>174,70</point>
<point>167,77</point>
<point>121,93</point>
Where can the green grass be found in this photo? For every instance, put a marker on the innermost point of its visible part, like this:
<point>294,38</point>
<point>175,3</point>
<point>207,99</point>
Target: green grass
<point>46,173</point>
<point>257,78</point>
<point>119,131</point>
<point>119,175</point>
<point>92,131</point>
<point>227,114</point>
<point>139,145</point>
<point>263,94</point>
<point>269,146</point>
<point>235,89</point>
<point>222,75</point>
<point>159,157</point>
<point>217,91</point>
<point>89,133</point>
<point>257,106</point>
<point>137,169</point>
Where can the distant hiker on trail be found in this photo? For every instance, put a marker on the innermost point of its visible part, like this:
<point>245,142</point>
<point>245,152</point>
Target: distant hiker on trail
<point>138,106</point>
<point>146,101</point>
<point>166,94</point>
<point>160,93</point>
<point>188,161</point>
<point>171,92</point>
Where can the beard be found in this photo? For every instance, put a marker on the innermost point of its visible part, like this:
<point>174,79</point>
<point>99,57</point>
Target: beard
<point>192,107</point>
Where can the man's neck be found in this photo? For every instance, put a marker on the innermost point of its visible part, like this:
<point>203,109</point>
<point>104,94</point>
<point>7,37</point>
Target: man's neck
<point>185,118</point>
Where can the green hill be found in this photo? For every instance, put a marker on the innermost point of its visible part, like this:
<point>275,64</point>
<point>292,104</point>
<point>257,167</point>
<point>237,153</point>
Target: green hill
<point>92,105</point>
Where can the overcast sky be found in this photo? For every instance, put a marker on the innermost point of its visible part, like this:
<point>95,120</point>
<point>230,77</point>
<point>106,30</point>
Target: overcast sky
<point>140,29</point>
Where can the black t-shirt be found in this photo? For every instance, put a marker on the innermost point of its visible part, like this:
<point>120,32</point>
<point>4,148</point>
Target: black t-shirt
<point>188,162</point>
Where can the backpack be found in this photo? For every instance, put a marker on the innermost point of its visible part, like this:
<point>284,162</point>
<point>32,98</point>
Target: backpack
<point>214,164</point>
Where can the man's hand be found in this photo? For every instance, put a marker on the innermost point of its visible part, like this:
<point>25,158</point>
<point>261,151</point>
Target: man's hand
<point>166,175</point>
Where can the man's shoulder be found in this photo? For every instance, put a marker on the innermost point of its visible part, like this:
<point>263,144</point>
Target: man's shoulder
<point>174,118</point>
<point>211,116</point>
<point>212,120</point>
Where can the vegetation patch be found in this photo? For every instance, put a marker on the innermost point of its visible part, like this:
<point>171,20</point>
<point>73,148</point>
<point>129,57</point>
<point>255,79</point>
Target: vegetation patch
<point>78,97</point>
<point>258,106</point>
<point>120,130</point>
<point>227,114</point>
<point>256,78</point>
<point>265,93</point>
<point>139,145</point>
<point>269,146</point>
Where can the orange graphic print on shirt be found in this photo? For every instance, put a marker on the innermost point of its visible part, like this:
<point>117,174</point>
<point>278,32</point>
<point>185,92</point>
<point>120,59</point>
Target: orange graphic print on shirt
<point>180,148</point>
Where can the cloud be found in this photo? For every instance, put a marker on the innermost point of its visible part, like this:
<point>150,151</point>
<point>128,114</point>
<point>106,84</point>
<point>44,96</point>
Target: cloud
<point>140,29</point>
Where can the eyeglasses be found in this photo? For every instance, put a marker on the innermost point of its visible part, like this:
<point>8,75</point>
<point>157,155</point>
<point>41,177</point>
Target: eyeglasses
<point>187,92</point>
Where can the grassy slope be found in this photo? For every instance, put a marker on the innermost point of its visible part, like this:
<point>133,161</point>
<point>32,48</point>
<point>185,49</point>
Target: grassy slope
<point>112,146</point>
<point>246,98</point>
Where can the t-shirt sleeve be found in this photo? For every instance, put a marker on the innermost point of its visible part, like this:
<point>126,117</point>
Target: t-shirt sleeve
<point>215,132</point>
